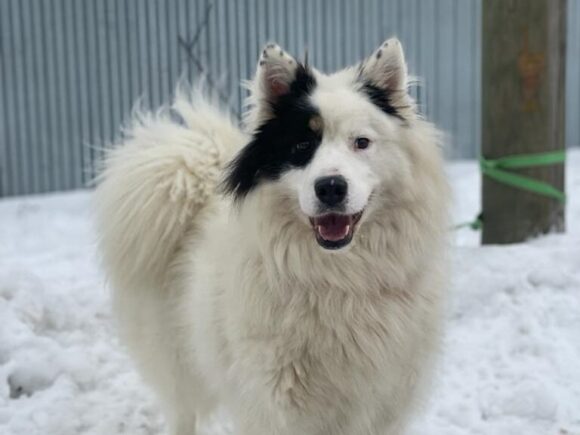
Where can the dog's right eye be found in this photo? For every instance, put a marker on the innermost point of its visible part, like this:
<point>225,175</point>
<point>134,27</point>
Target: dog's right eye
<point>301,147</point>
<point>301,152</point>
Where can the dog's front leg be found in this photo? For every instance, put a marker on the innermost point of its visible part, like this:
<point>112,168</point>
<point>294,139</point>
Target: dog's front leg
<point>282,405</point>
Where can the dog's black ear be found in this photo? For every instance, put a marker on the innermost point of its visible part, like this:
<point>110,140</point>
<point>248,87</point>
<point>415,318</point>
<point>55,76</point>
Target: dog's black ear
<point>275,74</point>
<point>384,78</point>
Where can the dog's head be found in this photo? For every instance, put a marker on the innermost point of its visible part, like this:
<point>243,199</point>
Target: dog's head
<point>326,146</point>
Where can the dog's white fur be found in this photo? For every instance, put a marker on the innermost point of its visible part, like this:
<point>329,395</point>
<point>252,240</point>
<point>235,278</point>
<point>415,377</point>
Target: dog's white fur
<point>237,304</point>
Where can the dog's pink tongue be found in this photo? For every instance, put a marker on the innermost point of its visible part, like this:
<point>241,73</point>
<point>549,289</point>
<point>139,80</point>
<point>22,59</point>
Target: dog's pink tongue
<point>333,227</point>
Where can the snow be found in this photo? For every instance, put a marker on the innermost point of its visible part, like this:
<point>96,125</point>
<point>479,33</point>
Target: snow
<point>510,363</point>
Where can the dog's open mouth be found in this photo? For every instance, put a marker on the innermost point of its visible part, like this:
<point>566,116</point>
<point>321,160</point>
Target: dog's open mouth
<point>334,230</point>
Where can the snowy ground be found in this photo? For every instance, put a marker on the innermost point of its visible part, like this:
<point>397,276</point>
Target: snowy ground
<point>512,353</point>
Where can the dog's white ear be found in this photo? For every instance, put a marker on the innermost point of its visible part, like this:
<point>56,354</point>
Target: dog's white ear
<point>386,67</point>
<point>275,74</point>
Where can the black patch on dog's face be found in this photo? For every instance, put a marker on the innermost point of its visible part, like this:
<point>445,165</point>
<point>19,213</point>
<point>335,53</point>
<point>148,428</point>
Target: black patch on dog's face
<point>380,98</point>
<point>288,140</point>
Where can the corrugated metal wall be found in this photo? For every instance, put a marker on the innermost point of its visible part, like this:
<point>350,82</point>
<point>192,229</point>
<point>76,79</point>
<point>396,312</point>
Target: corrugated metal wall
<point>573,75</point>
<point>71,70</point>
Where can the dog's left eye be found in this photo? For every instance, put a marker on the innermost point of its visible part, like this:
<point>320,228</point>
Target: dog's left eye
<point>362,143</point>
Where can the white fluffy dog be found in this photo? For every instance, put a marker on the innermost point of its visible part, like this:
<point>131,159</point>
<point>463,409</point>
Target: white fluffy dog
<point>292,273</point>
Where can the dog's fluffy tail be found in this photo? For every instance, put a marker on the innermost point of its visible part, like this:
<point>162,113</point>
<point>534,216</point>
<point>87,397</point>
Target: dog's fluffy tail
<point>153,185</point>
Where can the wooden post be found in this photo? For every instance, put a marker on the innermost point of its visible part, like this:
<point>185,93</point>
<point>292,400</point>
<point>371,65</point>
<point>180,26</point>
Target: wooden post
<point>523,111</point>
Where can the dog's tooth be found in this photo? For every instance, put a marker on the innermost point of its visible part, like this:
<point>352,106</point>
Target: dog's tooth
<point>347,229</point>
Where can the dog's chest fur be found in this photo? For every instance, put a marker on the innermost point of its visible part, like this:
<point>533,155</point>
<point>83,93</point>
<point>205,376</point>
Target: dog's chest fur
<point>317,347</point>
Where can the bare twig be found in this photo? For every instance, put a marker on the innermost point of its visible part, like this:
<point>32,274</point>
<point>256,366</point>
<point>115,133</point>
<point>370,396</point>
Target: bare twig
<point>202,25</point>
<point>189,46</point>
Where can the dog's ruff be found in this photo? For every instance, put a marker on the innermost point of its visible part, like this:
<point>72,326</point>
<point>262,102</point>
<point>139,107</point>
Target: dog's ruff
<point>232,299</point>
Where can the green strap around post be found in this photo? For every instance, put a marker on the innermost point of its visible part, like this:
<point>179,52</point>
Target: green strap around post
<point>474,224</point>
<point>497,169</point>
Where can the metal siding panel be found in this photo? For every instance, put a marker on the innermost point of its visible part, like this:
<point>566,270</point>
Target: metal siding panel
<point>318,49</point>
<point>410,39</point>
<point>238,43</point>
<point>26,154</point>
<point>289,14</point>
<point>200,33</point>
<point>61,144</point>
<point>476,20</point>
<point>241,49</point>
<point>427,42</point>
<point>122,59</point>
<point>453,84</point>
<point>27,113</point>
<point>171,46</point>
<point>114,78</point>
<point>70,122</point>
<point>311,29</point>
<point>93,84</point>
<point>232,66</point>
<point>444,82</point>
<point>48,87</point>
<point>338,60</point>
<point>250,53</point>
<point>15,77</point>
<point>346,40</point>
<point>209,46</point>
<point>395,17</point>
<point>3,108</point>
<point>325,51</point>
<point>223,60</point>
<point>154,54</point>
<point>81,90</point>
<point>142,48</point>
<point>573,75</point>
<point>134,66</point>
<point>300,37</point>
<point>254,43</point>
<point>192,26</point>
<point>372,34</point>
<point>280,29</point>
<point>434,85</point>
<point>363,30</point>
<point>163,66</point>
<point>103,80</point>
<point>462,69</point>
<point>6,130</point>
<point>180,35</point>
<point>212,42</point>
<point>262,37</point>
<point>285,20</point>
<point>222,75</point>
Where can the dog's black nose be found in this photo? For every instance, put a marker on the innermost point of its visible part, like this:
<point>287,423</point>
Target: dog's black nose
<point>331,190</point>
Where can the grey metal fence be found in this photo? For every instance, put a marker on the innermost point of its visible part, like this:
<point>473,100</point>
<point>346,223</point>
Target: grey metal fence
<point>71,70</point>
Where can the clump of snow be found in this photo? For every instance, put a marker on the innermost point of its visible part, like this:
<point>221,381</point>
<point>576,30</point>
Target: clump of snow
<point>61,368</point>
<point>511,360</point>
